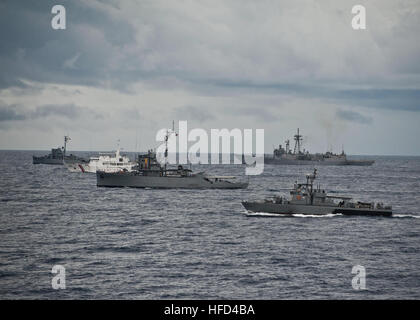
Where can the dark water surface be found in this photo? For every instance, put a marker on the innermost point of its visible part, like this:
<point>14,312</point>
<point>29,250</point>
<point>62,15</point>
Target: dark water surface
<point>181,244</point>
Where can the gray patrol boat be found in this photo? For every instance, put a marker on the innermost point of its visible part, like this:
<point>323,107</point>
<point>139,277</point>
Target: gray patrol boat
<point>58,156</point>
<point>309,200</point>
<point>302,157</point>
<point>149,173</point>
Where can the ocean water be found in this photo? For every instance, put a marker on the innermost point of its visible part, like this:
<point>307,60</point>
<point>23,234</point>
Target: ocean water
<point>185,244</point>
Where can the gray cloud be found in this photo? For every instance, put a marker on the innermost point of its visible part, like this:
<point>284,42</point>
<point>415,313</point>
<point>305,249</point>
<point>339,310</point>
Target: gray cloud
<point>353,116</point>
<point>8,113</point>
<point>67,111</point>
<point>380,98</point>
<point>229,45</point>
<point>224,61</point>
<point>257,113</point>
<point>397,99</point>
<point>30,49</point>
<point>193,113</point>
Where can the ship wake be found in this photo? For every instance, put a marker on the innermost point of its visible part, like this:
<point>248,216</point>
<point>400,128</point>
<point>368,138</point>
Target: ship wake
<point>406,216</point>
<point>297,215</point>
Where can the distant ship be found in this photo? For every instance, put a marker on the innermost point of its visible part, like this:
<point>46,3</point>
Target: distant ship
<point>298,157</point>
<point>309,200</point>
<point>58,156</point>
<point>106,162</point>
<point>151,174</point>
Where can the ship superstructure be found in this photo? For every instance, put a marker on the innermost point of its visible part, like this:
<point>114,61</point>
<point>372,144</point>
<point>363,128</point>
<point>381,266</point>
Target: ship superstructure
<point>105,161</point>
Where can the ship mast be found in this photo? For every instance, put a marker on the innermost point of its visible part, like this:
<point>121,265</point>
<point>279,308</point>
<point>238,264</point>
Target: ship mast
<point>66,138</point>
<point>117,153</point>
<point>298,139</point>
<point>168,133</point>
<point>309,183</point>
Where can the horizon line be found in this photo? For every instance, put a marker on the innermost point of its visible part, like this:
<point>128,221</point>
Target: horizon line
<point>47,150</point>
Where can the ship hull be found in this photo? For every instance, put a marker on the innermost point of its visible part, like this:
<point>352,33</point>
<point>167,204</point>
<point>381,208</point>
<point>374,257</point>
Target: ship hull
<point>290,209</point>
<point>280,161</point>
<point>132,180</point>
<point>42,160</point>
<point>55,161</point>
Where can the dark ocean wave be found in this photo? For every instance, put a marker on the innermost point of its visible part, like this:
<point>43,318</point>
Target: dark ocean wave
<point>183,244</point>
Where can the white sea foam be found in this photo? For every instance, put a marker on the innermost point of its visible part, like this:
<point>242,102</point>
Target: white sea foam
<point>329,215</point>
<point>266,214</point>
<point>405,216</point>
<point>263,214</point>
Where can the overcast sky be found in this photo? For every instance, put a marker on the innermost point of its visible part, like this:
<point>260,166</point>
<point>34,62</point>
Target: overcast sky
<point>124,69</point>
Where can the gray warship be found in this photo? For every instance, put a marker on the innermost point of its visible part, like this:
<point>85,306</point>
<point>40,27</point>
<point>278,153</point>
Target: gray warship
<point>149,173</point>
<point>298,157</point>
<point>58,156</point>
<point>309,200</point>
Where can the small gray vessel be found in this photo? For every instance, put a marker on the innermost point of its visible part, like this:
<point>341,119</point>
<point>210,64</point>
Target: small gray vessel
<point>58,156</point>
<point>307,200</point>
<point>149,173</point>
